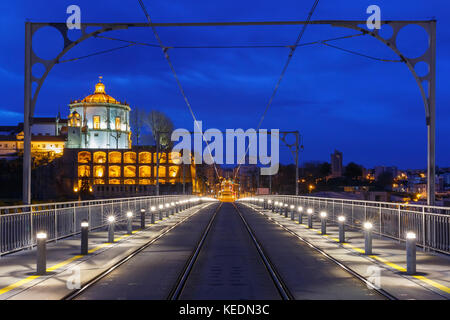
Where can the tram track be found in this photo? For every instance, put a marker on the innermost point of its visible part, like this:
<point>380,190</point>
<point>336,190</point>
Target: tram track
<point>79,292</point>
<point>278,282</point>
<point>379,291</point>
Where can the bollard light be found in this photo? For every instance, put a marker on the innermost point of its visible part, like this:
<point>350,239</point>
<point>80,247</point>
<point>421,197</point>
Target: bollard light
<point>161,207</point>
<point>142,218</point>
<point>300,215</point>
<point>41,261</point>
<point>286,208</point>
<point>292,212</point>
<point>368,237</point>
<point>130,222</point>
<point>323,222</point>
<point>84,237</point>
<point>341,222</point>
<point>310,214</point>
<point>152,214</point>
<point>111,220</point>
<point>410,253</point>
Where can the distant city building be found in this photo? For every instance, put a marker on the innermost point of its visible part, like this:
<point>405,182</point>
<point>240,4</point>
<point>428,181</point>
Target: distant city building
<point>91,152</point>
<point>336,164</point>
<point>382,169</point>
<point>47,139</point>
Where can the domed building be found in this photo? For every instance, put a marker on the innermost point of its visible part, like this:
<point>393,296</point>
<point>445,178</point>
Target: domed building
<point>99,122</point>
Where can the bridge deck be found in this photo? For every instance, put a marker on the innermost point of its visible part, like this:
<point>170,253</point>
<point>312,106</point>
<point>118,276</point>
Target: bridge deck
<point>308,274</point>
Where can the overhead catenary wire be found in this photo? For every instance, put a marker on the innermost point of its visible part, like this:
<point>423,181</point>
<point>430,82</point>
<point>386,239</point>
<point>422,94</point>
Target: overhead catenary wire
<point>283,72</point>
<point>360,54</point>
<point>172,68</point>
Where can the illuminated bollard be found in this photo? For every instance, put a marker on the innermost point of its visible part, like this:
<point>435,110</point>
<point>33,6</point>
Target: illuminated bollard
<point>286,210</point>
<point>310,214</point>
<point>300,215</point>
<point>84,237</point>
<point>130,221</point>
<point>341,222</point>
<point>368,238</point>
<point>142,218</point>
<point>269,205</point>
<point>152,216</point>
<point>177,207</point>
<point>41,261</point>
<point>167,210</point>
<point>410,253</point>
<point>111,220</point>
<point>274,207</point>
<point>161,207</point>
<point>173,208</point>
<point>292,212</point>
<point>323,222</point>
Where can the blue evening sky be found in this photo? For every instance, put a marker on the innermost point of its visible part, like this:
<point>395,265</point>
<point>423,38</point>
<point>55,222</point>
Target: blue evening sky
<point>370,110</point>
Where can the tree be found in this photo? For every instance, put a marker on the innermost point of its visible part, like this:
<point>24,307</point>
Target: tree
<point>325,169</point>
<point>159,124</point>
<point>353,171</point>
<point>137,116</point>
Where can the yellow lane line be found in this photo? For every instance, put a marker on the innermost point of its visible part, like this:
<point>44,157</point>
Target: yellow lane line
<point>433,283</point>
<point>17,284</point>
<point>394,266</point>
<point>58,265</point>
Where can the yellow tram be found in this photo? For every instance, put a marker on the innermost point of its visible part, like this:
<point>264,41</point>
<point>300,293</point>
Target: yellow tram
<point>228,191</point>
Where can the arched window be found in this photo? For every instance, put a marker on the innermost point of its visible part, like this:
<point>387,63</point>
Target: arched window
<point>129,171</point>
<point>145,157</point>
<point>174,157</point>
<point>129,157</point>
<point>162,171</point>
<point>115,157</point>
<point>144,172</point>
<point>114,171</point>
<point>130,181</point>
<point>162,157</point>
<point>84,157</point>
<point>173,171</point>
<point>74,119</point>
<point>99,171</point>
<point>114,181</point>
<point>84,171</point>
<point>99,157</point>
<point>144,181</point>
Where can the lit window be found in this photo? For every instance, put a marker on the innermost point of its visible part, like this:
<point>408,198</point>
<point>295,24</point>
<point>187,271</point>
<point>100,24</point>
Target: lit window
<point>117,123</point>
<point>96,120</point>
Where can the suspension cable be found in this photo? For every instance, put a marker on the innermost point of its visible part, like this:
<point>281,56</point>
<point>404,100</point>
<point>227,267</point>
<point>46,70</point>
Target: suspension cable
<point>291,53</point>
<point>180,87</point>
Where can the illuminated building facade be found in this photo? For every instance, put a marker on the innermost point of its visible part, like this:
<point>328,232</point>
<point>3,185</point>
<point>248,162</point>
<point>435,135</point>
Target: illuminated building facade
<point>99,122</point>
<point>47,139</point>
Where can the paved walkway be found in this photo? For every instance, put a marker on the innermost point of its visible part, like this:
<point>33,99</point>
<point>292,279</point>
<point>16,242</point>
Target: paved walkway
<point>65,265</point>
<point>386,267</point>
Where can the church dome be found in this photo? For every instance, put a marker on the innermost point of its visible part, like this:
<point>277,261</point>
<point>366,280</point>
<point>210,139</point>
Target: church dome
<point>99,95</point>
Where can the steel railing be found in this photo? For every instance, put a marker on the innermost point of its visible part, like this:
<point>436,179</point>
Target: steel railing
<point>20,224</point>
<point>431,224</point>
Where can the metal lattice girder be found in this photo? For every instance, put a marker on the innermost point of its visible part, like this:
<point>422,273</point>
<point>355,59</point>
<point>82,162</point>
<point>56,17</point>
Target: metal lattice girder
<point>428,57</point>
